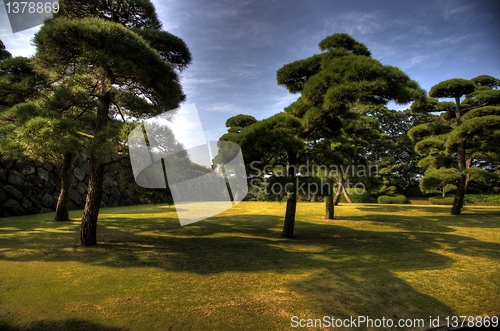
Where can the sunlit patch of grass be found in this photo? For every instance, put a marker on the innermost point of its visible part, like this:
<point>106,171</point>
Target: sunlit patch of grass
<point>235,272</point>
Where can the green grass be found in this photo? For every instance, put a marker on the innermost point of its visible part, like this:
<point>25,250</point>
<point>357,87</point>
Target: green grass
<point>235,272</point>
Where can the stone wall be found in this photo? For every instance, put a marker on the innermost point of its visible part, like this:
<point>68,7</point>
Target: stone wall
<point>31,187</point>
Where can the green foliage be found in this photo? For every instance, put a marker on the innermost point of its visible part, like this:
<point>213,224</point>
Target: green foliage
<point>397,199</point>
<point>19,82</point>
<point>462,143</point>
<point>239,122</point>
<point>436,179</point>
<point>272,138</point>
<point>482,198</point>
<point>129,13</point>
<point>447,201</point>
<point>486,80</point>
<point>357,195</point>
<point>393,151</point>
<point>344,42</point>
<point>171,49</point>
<point>111,48</point>
<point>332,82</point>
<point>452,88</point>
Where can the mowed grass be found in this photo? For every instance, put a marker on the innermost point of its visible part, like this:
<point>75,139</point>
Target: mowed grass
<point>235,272</point>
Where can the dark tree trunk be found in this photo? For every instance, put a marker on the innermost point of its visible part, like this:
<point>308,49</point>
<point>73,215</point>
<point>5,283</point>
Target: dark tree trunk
<point>329,206</point>
<point>458,202</point>
<point>291,201</point>
<point>88,228</point>
<point>62,208</point>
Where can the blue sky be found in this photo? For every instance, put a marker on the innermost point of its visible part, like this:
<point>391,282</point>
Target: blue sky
<point>237,46</point>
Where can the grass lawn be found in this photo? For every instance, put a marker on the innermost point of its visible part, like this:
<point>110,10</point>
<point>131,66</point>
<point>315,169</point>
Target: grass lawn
<point>235,272</point>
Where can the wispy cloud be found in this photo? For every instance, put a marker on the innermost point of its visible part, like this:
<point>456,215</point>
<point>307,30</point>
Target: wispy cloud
<point>358,23</point>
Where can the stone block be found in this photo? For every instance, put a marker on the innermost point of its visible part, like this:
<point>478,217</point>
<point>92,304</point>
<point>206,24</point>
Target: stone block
<point>26,168</point>
<point>13,192</point>
<point>49,167</point>
<point>47,200</point>
<point>26,203</point>
<point>14,208</point>
<point>34,180</point>
<point>81,188</point>
<point>79,174</point>
<point>43,174</point>
<point>75,197</point>
<point>15,178</point>
<point>3,175</point>
<point>3,196</point>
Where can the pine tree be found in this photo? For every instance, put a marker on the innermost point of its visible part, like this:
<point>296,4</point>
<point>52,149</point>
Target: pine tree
<point>336,81</point>
<point>465,133</point>
<point>130,77</point>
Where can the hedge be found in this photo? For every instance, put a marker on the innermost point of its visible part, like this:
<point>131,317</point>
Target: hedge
<point>448,201</point>
<point>482,197</point>
<point>356,195</point>
<point>396,199</point>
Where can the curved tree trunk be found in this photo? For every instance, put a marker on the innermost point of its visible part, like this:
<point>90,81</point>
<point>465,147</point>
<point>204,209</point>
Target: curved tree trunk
<point>62,208</point>
<point>340,188</point>
<point>346,195</point>
<point>291,201</point>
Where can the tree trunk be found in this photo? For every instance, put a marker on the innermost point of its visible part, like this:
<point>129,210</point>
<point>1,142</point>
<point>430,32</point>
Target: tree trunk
<point>62,208</point>
<point>329,207</point>
<point>336,198</point>
<point>340,188</point>
<point>291,201</point>
<point>88,228</point>
<point>468,165</point>
<point>346,195</point>
<point>458,202</point>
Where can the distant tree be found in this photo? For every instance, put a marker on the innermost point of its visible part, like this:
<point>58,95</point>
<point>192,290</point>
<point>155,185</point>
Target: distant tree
<point>4,54</point>
<point>465,133</point>
<point>131,79</point>
<point>343,76</point>
<point>394,152</point>
<point>236,123</point>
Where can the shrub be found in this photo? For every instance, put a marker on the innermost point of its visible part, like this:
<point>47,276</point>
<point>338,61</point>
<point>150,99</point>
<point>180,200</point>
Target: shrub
<point>448,201</point>
<point>356,195</point>
<point>396,199</point>
<point>482,197</point>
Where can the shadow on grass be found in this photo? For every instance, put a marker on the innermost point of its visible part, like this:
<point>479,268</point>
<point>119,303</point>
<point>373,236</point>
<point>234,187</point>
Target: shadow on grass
<point>348,270</point>
<point>435,219</point>
<point>62,325</point>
